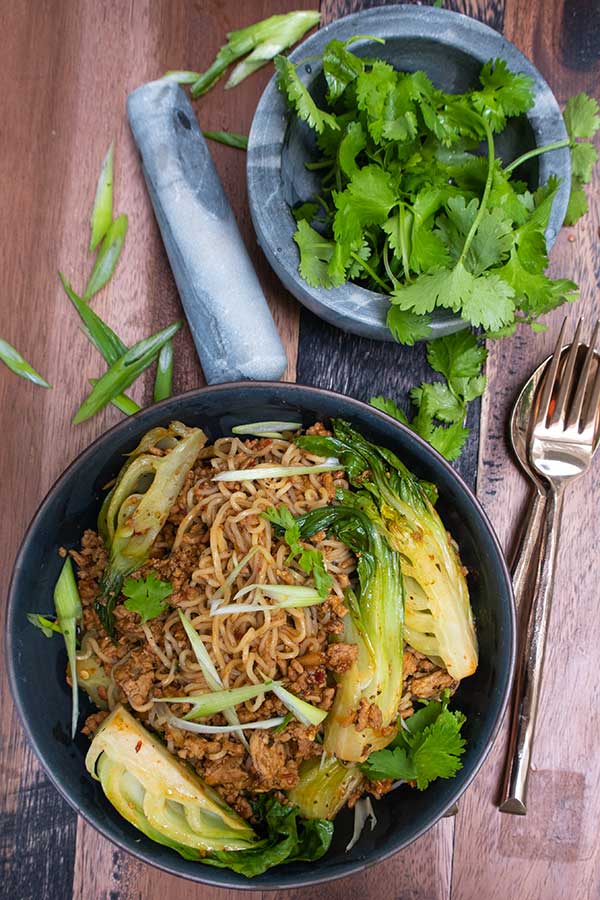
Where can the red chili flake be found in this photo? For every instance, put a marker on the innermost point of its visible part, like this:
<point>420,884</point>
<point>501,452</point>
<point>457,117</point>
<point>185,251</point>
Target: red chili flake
<point>138,746</point>
<point>319,677</point>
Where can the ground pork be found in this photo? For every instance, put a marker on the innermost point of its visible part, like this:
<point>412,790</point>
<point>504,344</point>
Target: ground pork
<point>135,676</point>
<point>93,722</point>
<point>341,657</point>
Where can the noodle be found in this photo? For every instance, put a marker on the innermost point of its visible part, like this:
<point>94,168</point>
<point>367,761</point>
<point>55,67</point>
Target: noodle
<point>212,526</point>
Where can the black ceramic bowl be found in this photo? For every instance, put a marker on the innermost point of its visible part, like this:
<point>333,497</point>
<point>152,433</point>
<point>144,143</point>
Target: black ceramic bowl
<point>451,49</point>
<point>37,665</point>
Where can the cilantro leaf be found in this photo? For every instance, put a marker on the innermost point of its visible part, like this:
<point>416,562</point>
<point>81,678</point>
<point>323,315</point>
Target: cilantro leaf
<point>407,327</point>
<point>369,194</point>
<point>305,211</point>
<point>310,560</point>
<point>578,203</point>
<point>491,242</point>
<point>582,116</point>
<point>299,97</point>
<point>315,255</point>
<point>455,356</point>
<point>429,746</point>
<point>147,596</point>
<point>504,93</point>
<point>353,143</point>
<point>582,119</point>
<point>440,400</point>
<point>447,440</point>
<point>389,407</point>
<point>535,293</point>
<point>438,754</point>
<point>340,67</point>
<point>583,158</point>
<point>485,300</point>
<point>458,358</point>
<point>395,764</point>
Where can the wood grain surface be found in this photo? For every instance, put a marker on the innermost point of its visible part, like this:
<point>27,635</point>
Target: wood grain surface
<point>67,67</point>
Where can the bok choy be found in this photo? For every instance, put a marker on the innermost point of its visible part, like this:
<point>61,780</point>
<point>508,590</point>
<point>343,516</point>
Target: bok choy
<point>439,619</point>
<point>325,786</point>
<point>165,800</point>
<point>137,508</point>
<point>375,625</point>
<point>158,794</point>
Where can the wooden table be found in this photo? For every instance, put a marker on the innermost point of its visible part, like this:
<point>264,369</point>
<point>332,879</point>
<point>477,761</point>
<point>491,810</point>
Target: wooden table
<point>68,67</point>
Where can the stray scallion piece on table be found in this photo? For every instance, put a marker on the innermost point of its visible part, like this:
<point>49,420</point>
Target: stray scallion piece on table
<point>163,380</point>
<point>229,138</point>
<point>108,257</point>
<point>288,622</point>
<point>259,43</point>
<point>102,212</point>
<point>122,373</point>
<point>11,357</point>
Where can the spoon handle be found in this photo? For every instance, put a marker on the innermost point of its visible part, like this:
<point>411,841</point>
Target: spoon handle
<point>526,554</point>
<point>528,678</point>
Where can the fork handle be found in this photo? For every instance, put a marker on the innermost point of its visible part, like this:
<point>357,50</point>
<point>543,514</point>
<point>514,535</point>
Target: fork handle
<point>528,678</point>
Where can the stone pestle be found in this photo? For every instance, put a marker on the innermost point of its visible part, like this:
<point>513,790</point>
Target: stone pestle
<point>227,312</point>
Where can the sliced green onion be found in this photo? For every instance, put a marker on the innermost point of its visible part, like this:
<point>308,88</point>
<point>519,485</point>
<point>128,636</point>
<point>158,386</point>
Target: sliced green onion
<point>255,474</point>
<point>263,40</point>
<point>211,676</point>
<point>236,609</point>
<point>286,721</point>
<point>285,30</point>
<point>68,612</point>
<point>221,591</point>
<point>210,704</point>
<point>198,728</point>
<point>108,257</point>
<point>181,76</point>
<point>123,403</point>
<point>266,429</point>
<point>124,372</point>
<point>163,380</point>
<point>287,594</point>
<point>47,626</point>
<point>104,339</point>
<point>15,362</point>
<point>102,213</point>
<point>305,712</point>
<point>99,333</point>
<point>229,138</point>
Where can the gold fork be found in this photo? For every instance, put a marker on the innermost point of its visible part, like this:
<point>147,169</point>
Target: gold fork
<point>562,440</point>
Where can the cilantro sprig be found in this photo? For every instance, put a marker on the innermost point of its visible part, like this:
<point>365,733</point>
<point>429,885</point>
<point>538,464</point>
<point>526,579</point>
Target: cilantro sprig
<point>441,406</point>
<point>408,207</point>
<point>147,596</point>
<point>310,560</point>
<point>428,746</point>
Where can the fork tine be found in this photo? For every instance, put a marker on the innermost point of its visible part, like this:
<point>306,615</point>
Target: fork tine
<point>566,379</point>
<point>583,383</point>
<point>592,407</point>
<point>550,378</point>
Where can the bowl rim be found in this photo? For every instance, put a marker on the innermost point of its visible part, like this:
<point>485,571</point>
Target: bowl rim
<point>268,133</point>
<point>205,873</point>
